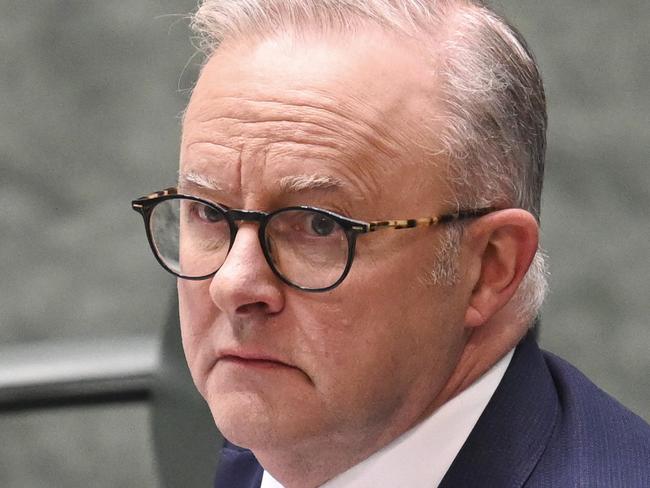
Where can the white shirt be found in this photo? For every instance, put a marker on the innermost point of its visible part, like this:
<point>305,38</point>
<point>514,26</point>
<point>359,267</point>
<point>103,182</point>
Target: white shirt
<point>420,457</point>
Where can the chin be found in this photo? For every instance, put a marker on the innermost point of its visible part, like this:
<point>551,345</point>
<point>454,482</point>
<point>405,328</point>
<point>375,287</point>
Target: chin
<point>256,407</point>
<point>255,422</point>
<point>246,420</point>
<point>239,426</point>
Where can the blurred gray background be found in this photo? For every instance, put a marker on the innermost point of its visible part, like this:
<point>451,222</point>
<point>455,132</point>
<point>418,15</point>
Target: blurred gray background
<point>90,93</point>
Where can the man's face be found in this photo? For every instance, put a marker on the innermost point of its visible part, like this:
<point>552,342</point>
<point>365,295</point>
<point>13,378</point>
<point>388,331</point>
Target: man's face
<point>330,124</point>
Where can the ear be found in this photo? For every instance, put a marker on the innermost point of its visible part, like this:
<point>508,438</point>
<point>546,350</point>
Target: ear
<point>501,247</point>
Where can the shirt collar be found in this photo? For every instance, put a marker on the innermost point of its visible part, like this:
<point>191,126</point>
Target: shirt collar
<point>420,457</point>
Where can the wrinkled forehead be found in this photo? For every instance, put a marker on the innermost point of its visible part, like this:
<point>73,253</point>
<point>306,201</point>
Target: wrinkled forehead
<point>371,76</point>
<point>350,99</point>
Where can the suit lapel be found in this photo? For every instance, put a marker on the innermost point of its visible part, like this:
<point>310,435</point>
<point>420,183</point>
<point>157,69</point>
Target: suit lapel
<point>238,468</point>
<point>511,434</point>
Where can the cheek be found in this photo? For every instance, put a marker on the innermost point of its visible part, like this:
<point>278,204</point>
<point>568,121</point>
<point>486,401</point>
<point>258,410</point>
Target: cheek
<point>196,313</point>
<point>195,305</point>
<point>370,354</point>
<point>352,348</point>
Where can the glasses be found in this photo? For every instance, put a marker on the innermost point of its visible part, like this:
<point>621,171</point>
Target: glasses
<point>306,247</point>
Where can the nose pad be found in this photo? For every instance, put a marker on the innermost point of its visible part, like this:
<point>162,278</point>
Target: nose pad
<point>245,281</point>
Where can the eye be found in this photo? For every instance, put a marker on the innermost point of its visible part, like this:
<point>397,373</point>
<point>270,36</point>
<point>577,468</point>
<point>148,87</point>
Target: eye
<point>209,214</point>
<point>304,225</point>
<point>322,225</point>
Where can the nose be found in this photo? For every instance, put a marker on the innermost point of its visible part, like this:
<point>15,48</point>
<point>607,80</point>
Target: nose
<point>245,284</point>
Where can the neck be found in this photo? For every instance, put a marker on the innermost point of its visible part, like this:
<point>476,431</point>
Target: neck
<point>310,464</point>
<point>485,346</point>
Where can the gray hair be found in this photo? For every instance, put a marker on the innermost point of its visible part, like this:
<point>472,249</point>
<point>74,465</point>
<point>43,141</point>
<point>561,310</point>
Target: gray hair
<point>492,128</point>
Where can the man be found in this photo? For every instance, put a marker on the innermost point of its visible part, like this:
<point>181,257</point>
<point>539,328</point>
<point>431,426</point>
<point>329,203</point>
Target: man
<point>355,230</point>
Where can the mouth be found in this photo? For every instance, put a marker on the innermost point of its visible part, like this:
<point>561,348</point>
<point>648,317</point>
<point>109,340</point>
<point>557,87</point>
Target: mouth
<point>254,362</point>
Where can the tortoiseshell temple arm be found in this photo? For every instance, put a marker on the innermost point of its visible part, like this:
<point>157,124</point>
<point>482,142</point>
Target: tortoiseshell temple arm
<point>137,203</point>
<point>427,221</point>
<point>157,194</point>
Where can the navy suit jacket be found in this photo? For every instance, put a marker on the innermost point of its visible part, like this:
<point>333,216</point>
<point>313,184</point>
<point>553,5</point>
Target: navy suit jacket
<point>546,426</point>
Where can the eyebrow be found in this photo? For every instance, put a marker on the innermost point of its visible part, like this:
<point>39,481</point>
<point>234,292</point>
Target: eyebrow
<point>287,184</point>
<point>298,183</point>
<point>194,179</point>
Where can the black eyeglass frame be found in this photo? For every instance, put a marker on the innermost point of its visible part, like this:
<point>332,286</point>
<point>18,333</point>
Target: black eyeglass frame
<point>146,204</point>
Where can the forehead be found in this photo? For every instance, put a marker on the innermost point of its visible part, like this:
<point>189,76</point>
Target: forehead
<point>370,68</point>
<point>334,109</point>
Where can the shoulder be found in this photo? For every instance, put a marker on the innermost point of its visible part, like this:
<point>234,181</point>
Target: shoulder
<point>595,438</point>
<point>548,426</point>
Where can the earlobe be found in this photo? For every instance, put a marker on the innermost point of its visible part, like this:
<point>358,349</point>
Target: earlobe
<point>473,317</point>
<point>504,245</point>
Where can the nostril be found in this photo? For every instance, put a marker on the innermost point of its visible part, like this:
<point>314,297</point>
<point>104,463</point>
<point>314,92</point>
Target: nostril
<point>250,308</point>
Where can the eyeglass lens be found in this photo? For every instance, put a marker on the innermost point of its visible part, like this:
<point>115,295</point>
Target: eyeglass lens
<point>306,247</point>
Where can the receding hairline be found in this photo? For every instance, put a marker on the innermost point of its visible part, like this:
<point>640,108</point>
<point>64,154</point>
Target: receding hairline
<point>427,34</point>
<point>216,21</point>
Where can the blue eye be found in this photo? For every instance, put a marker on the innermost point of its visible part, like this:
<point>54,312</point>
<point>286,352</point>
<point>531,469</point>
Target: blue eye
<point>322,225</point>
